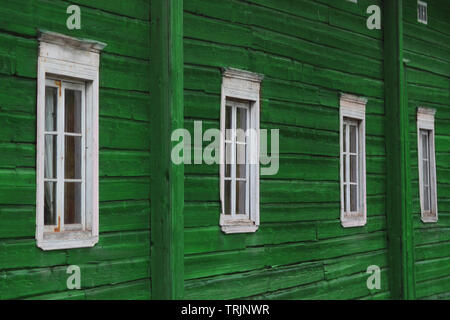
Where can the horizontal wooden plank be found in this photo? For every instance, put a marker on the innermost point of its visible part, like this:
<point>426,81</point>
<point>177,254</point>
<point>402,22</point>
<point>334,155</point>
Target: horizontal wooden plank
<point>17,94</point>
<point>124,134</point>
<point>432,269</point>
<point>124,104</point>
<point>332,248</point>
<point>21,283</point>
<point>17,221</point>
<point>119,72</point>
<point>251,283</point>
<point>124,216</point>
<point>351,287</point>
<point>11,121</point>
<point>113,189</point>
<point>201,240</point>
<point>115,163</point>
<point>334,229</point>
<point>433,287</point>
<point>345,266</point>
<point>15,155</point>
<point>217,263</point>
<point>124,36</point>
<point>139,9</point>
<point>112,246</point>
<point>133,290</point>
<point>432,251</point>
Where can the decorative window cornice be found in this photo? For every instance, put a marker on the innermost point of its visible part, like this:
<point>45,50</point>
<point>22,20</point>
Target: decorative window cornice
<point>242,74</point>
<point>425,118</point>
<point>349,100</point>
<point>64,40</point>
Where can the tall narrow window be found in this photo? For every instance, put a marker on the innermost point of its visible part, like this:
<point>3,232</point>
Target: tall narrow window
<point>64,157</point>
<point>239,165</point>
<point>427,164</point>
<point>353,163</point>
<point>422,12</point>
<point>67,142</point>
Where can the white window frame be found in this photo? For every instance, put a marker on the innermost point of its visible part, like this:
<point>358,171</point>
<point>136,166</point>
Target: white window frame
<point>76,63</point>
<point>354,108</point>
<point>243,85</point>
<point>424,4</point>
<point>425,121</point>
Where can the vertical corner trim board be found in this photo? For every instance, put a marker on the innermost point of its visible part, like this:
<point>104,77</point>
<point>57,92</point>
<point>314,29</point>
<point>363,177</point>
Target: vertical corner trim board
<point>167,185</point>
<point>398,200</point>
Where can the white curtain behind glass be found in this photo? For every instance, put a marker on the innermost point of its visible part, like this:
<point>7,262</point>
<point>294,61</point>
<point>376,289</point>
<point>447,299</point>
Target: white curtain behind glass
<point>50,116</point>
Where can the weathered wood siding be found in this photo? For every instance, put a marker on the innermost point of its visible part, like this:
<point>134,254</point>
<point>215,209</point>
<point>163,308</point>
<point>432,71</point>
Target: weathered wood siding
<point>427,49</point>
<point>118,266</point>
<point>309,52</point>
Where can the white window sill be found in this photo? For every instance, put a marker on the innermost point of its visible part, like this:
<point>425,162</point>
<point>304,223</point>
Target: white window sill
<point>350,221</point>
<point>429,218</point>
<point>237,225</point>
<point>67,240</point>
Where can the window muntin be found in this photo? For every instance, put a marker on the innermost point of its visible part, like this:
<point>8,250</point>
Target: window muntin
<point>237,186</point>
<point>427,165</point>
<point>353,162</point>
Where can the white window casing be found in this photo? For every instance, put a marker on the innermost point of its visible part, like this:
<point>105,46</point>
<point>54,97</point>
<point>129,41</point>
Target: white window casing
<point>422,12</point>
<point>240,95</point>
<point>353,160</point>
<point>68,66</point>
<point>427,164</point>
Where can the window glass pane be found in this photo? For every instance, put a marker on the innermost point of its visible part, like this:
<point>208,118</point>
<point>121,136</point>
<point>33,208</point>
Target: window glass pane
<point>51,101</point>
<point>228,159</point>
<point>72,111</point>
<point>227,197</point>
<point>344,158</point>
<point>72,160</point>
<point>240,160</point>
<point>345,198</point>
<point>228,122</point>
<point>49,203</point>
<point>353,198</point>
<point>426,198</point>
<point>72,202</point>
<point>241,119</point>
<point>426,176</point>
<point>353,133</point>
<point>353,167</point>
<point>240,197</point>
<point>424,145</point>
<point>344,135</point>
<point>50,157</point>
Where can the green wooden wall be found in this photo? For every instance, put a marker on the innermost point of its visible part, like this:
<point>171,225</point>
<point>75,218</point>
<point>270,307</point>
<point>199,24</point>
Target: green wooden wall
<point>309,52</point>
<point>119,265</point>
<point>427,50</point>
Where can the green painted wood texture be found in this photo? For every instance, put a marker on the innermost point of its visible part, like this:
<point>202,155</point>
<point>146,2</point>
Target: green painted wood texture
<point>118,267</point>
<point>309,52</point>
<point>427,50</point>
<point>398,200</point>
<point>168,179</point>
